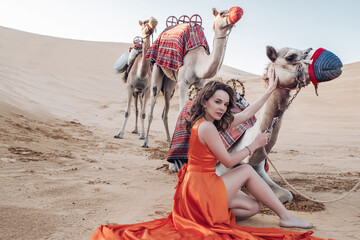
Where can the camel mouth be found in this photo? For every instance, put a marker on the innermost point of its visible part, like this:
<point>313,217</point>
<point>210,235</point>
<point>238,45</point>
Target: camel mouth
<point>326,66</point>
<point>152,23</point>
<point>235,14</point>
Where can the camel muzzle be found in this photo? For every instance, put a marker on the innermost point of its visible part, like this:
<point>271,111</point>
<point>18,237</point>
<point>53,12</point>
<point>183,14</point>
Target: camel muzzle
<point>325,66</point>
<point>235,14</point>
<point>152,23</point>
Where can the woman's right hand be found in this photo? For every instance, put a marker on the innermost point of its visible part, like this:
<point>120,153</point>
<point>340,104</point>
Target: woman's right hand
<point>262,139</point>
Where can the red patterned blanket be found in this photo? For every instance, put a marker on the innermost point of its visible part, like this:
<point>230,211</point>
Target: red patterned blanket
<point>173,43</point>
<point>178,152</point>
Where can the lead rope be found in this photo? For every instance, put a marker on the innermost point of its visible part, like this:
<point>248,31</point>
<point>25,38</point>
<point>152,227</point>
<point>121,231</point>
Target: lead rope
<point>303,195</point>
<point>223,53</point>
<point>269,130</point>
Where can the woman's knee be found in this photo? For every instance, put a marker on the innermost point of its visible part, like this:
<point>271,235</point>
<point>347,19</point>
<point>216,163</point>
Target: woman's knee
<point>247,167</point>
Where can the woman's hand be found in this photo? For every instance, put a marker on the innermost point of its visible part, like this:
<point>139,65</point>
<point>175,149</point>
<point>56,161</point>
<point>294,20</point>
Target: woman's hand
<point>262,139</point>
<point>273,80</point>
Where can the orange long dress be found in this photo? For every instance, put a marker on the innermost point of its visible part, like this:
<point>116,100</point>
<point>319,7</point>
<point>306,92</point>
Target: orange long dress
<point>200,208</point>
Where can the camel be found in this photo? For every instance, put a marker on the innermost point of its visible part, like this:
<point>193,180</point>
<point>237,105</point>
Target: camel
<point>197,66</point>
<point>291,66</point>
<point>295,69</point>
<point>138,82</point>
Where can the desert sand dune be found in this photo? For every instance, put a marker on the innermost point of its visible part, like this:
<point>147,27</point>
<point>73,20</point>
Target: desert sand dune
<point>63,174</point>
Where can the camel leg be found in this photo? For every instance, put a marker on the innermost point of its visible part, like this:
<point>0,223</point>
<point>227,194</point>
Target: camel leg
<point>282,194</point>
<point>168,87</point>
<point>200,83</point>
<point>127,112</point>
<point>183,87</point>
<point>136,98</point>
<point>145,96</point>
<point>156,85</point>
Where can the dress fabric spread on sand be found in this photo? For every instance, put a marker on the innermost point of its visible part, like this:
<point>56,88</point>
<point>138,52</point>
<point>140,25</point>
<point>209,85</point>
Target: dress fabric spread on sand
<point>200,208</point>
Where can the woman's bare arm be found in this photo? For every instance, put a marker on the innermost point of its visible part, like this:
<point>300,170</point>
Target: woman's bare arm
<point>209,135</point>
<point>254,107</point>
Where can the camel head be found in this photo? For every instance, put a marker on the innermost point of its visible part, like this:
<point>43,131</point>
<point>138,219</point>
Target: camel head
<point>226,19</point>
<point>147,27</point>
<point>294,67</point>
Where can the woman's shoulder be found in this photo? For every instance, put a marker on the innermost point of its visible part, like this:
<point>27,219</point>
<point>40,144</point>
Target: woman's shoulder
<point>206,126</point>
<point>207,132</point>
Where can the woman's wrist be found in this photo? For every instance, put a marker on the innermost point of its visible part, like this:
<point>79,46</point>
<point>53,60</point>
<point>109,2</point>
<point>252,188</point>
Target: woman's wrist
<point>269,91</point>
<point>249,150</point>
<point>253,147</point>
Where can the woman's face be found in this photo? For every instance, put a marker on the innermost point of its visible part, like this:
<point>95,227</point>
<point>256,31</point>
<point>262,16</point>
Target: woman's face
<point>216,106</point>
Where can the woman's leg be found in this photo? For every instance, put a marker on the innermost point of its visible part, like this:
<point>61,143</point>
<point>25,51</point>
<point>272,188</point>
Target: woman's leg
<point>244,206</point>
<point>245,175</point>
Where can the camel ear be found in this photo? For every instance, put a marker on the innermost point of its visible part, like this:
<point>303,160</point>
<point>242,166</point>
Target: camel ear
<point>140,23</point>
<point>215,12</point>
<point>271,53</point>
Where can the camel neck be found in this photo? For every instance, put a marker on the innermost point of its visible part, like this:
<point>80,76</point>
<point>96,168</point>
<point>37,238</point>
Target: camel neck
<point>144,63</point>
<point>273,107</point>
<point>216,57</point>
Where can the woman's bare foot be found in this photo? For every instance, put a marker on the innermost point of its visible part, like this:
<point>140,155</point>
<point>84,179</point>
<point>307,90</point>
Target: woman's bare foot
<point>291,221</point>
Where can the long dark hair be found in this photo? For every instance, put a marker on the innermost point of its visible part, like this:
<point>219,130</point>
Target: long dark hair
<point>197,110</point>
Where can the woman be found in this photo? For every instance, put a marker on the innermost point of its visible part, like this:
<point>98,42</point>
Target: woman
<point>205,204</point>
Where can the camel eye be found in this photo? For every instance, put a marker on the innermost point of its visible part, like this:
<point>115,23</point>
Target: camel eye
<point>291,57</point>
<point>222,14</point>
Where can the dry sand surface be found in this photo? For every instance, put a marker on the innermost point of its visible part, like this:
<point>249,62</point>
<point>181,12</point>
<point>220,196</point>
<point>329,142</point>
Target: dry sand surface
<point>63,174</point>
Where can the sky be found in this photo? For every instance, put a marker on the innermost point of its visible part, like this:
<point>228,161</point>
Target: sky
<point>330,24</point>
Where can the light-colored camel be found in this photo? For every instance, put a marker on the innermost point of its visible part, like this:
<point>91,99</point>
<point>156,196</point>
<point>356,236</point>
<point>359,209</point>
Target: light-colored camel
<point>197,67</point>
<point>138,83</point>
<point>291,66</point>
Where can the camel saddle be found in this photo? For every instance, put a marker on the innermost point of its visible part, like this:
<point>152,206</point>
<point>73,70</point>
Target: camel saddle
<point>173,43</point>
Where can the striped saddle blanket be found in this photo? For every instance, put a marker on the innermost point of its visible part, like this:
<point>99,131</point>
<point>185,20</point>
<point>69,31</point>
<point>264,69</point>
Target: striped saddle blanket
<point>173,43</point>
<point>178,152</point>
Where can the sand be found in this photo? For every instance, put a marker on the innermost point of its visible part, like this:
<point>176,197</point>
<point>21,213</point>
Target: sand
<point>63,174</point>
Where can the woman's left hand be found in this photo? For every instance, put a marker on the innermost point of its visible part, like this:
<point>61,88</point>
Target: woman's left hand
<point>273,80</point>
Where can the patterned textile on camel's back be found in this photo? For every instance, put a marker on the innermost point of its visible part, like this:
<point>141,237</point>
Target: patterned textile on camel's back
<point>180,140</point>
<point>174,42</point>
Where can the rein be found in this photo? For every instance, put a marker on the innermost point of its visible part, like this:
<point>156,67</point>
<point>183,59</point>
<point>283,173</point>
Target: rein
<point>300,84</point>
<point>150,34</point>
<point>277,119</point>
<point>305,196</point>
<point>228,24</point>
<point>147,36</point>
<point>223,53</point>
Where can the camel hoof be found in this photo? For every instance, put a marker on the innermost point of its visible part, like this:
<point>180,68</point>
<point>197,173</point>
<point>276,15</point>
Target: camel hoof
<point>172,167</point>
<point>145,145</point>
<point>284,196</point>
<point>119,136</point>
<point>142,137</point>
<point>135,132</point>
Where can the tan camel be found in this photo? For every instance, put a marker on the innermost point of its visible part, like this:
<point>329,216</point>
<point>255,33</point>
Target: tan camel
<point>138,83</point>
<point>291,66</point>
<point>197,67</point>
